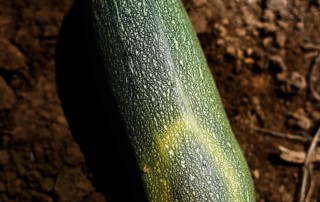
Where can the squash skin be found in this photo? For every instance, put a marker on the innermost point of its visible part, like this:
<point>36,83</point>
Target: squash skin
<point>169,103</point>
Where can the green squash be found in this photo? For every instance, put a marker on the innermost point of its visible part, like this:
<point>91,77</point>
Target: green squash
<point>169,103</point>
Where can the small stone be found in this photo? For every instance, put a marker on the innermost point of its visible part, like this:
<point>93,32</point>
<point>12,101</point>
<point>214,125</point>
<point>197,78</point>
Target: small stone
<point>268,27</point>
<point>299,119</point>
<point>266,42</point>
<point>220,42</point>
<point>300,26</point>
<point>281,38</point>
<point>291,83</point>
<point>276,64</point>
<point>240,32</point>
<point>268,15</point>
<point>62,120</point>
<point>255,33</point>
<point>231,51</point>
<point>225,21</point>
<point>221,29</point>
<point>239,54</point>
<point>248,61</point>
<point>249,51</point>
<point>283,24</point>
<point>256,173</point>
<point>7,97</point>
<point>285,195</point>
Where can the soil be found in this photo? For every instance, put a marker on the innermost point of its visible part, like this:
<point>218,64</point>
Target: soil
<point>260,53</point>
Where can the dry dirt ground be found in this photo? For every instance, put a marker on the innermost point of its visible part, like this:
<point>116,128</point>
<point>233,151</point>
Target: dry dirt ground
<point>260,53</point>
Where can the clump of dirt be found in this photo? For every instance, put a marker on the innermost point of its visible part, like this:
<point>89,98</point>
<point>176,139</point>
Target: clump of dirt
<point>260,53</point>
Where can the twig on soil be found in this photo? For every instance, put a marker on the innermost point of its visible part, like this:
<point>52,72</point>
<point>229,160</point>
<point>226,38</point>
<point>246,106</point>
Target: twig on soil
<point>313,54</point>
<point>294,156</point>
<point>306,167</point>
<point>311,46</point>
<point>314,66</point>
<point>291,155</point>
<point>311,190</point>
<point>281,135</point>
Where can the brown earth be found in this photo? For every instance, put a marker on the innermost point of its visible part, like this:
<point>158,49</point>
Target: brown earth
<point>260,53</point>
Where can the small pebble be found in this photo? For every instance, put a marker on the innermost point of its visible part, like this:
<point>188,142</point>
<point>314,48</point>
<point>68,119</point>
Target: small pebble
<point>299,119</point>
<point>291,83</point>
<point>276,64</point>
<point>281,38</point>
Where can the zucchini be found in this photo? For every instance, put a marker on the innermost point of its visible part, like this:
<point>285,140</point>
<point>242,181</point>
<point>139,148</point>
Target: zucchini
<point>170,106</point>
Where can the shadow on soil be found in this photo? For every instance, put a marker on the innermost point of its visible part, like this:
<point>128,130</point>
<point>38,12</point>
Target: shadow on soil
<point>95,125</point>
